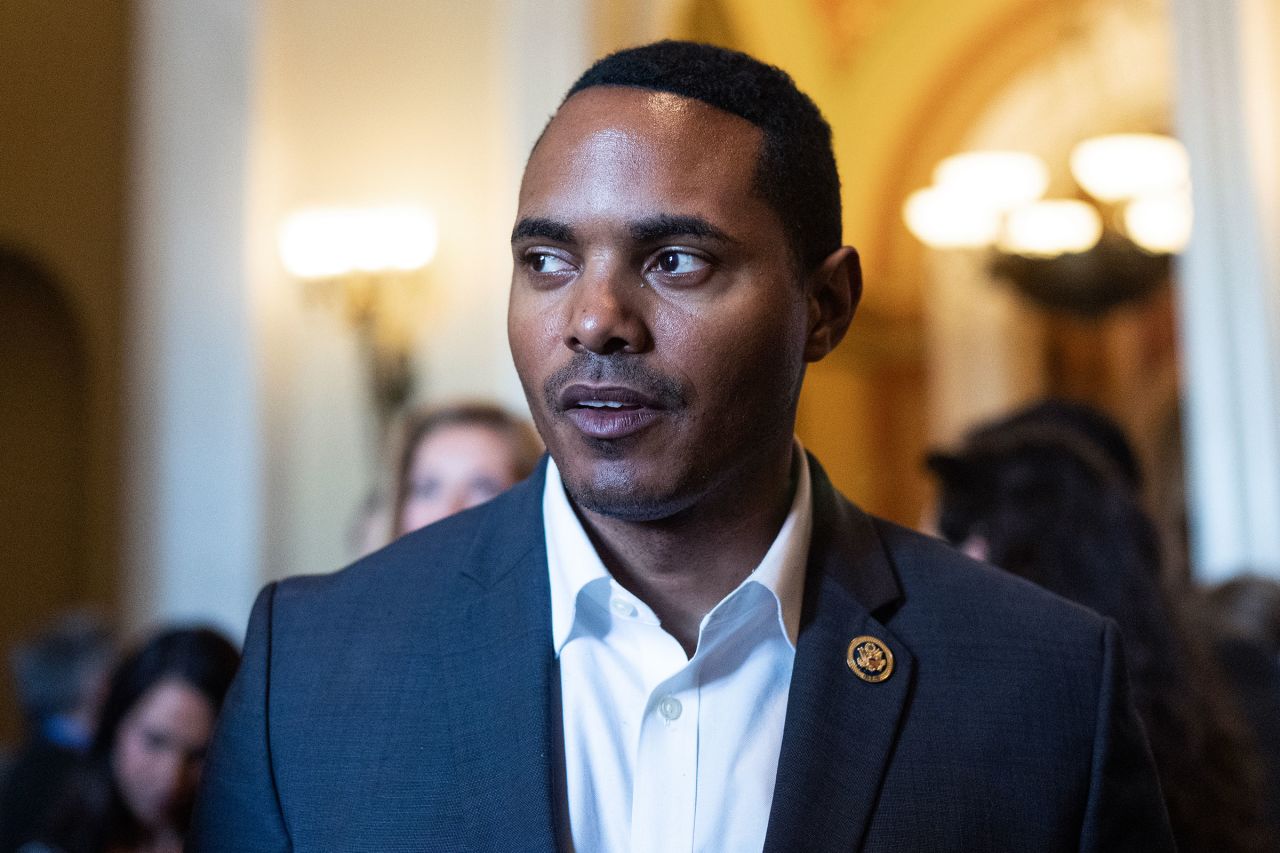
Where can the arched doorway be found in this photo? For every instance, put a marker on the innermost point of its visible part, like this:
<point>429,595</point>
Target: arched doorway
<point>43,457</point>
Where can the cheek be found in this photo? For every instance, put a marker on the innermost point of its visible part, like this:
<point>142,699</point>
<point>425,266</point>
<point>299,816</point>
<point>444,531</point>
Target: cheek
<point>135,769</point>
<point>130,756</point>
<point>531,324</point>
<point>536,324</point>
<point>738,352</point>
<point>419,512</point>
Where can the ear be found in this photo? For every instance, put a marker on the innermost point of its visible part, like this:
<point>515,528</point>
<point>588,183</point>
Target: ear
<point>834,290</point>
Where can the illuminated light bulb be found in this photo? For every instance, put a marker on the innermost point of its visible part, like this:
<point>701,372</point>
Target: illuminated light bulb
<point>328,242</point>
<point>1159,223</point>
<point>1047,229</point>
<point>311,243</point>
<point>1125,165</point>
<point>999,180</point>
<point>944,219</point>
<point>392,238</point>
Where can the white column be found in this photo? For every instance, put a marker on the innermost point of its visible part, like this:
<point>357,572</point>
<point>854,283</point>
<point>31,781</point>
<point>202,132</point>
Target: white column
<point>194,513</point>
<point>1230,280</point>
<point>541,69</point>
<point>538,72</point>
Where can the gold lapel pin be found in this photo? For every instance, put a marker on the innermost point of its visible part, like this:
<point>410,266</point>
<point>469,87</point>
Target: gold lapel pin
<point>870,659</point>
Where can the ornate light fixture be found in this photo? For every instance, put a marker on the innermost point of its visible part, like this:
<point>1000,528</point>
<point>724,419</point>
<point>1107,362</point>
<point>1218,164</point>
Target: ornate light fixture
<point>1049,228</point>
<point>1084,255</point>
<point>366,263</point>
<point>1123,166</point>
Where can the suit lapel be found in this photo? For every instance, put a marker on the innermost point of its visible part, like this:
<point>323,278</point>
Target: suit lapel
<point>840,729</point>
<point>499,674</point>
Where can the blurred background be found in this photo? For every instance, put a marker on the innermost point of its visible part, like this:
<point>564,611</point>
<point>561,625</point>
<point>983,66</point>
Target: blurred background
<point>239,238</point>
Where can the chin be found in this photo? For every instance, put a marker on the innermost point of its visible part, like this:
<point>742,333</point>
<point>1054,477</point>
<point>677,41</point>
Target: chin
<point>616,495</point>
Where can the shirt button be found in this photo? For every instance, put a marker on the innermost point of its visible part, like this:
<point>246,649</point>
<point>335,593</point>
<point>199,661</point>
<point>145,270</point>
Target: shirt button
<point>622,607</point>
<point>670,708</point>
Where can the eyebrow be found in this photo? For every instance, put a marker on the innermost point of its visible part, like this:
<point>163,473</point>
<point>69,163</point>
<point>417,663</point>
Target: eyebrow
<point>649,230</point>
<point>548,229</point>
<point>665,226</point>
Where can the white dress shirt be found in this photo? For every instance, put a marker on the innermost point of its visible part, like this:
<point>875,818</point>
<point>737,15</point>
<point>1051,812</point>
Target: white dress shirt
<point>665,753</point>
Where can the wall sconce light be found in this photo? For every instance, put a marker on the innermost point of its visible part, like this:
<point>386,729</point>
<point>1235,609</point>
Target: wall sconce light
<point>366,263</point>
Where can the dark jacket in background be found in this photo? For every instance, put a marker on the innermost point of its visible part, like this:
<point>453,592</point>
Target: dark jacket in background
<point>31,785</point>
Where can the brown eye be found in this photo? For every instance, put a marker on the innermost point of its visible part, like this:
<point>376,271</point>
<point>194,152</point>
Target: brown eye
<point>544,262</point>
<point>676,262</point>
<point>424,490</point>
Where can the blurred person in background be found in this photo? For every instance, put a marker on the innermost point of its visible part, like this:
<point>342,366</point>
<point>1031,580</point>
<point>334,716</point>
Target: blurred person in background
<point>458,456</point>
<point>370,527</point>
<point>1051,494</point>
<point>136,789</point>
<point>60,677</point>
<point>1242,618</point>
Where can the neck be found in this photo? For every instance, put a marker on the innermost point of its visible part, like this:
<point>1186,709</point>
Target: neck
<point>685,565</point>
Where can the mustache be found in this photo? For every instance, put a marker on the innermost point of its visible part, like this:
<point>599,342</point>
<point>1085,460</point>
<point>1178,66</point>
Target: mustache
<point>598,369</point>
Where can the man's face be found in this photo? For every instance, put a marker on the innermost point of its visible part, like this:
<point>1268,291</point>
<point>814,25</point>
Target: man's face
<point>657,320</point>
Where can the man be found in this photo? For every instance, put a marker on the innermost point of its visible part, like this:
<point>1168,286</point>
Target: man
<point>676,635</point>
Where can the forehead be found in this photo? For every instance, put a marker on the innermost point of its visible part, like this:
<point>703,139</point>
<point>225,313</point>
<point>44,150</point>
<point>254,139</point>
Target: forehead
<point>171,704</point>
<point>447,437</point>
<point>620,150</point>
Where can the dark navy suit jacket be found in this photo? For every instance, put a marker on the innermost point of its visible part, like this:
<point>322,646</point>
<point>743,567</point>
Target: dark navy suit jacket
<point>410,703</point>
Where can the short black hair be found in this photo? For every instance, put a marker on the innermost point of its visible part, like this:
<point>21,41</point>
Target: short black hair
<point>796,174</point>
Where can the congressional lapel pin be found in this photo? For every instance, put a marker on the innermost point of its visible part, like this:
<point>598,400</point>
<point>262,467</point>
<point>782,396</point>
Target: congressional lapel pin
<point>870,659</point>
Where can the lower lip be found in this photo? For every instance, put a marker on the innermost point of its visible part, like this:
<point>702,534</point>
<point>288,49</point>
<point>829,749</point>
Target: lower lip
<point>611,423</point>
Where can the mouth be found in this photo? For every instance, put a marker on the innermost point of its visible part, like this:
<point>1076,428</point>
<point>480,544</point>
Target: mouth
<point>608,412</point>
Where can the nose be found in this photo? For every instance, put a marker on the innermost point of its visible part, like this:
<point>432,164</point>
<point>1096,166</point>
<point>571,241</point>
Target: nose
<point>457,502</point>
<point>608,316</point>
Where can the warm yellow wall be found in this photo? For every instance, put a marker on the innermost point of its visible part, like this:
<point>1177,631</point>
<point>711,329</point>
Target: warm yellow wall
<point>63,156</point>
<point>63,111</point>
<point>902,93</point>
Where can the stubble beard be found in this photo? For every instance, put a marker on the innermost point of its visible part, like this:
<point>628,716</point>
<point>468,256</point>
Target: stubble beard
<point>687,481</point>
<point>616,489</point>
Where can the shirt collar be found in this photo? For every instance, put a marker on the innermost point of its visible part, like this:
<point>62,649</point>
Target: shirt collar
<point>574,564</point>
<point>571,558</point>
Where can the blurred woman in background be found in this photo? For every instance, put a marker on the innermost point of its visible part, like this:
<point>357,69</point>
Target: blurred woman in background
<point>1241,619</point>
<point>455,457</point>
<point>136,793</point>
<point>1051,494</point>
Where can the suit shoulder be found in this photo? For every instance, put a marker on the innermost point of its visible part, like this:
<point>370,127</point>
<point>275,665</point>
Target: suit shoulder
<point>414,554</point>
<point>424,563</point>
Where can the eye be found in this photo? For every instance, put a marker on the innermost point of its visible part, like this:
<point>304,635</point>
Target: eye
<point>547,263</point>
<point>484,488</point>
<point>674,262</point>
<point>155,741</point>
<point>424,490</point>
<point>678,267</point>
